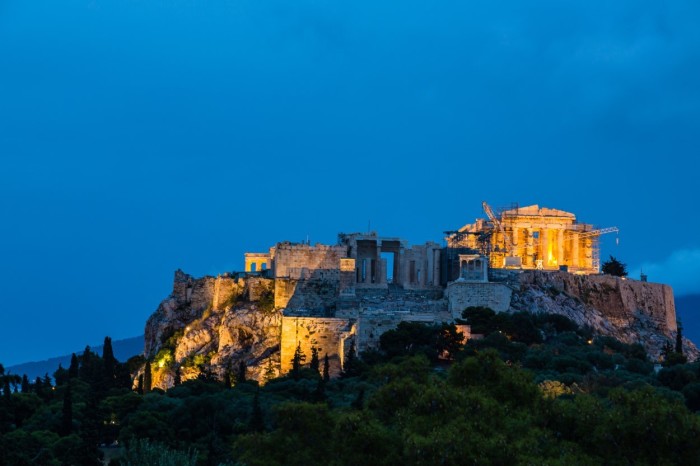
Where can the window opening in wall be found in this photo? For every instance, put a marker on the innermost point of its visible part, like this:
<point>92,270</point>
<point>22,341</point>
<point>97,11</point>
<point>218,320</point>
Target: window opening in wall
<point>412,272</point>
<point>263,266</point>
<point>253,267</point>
<point>388,257</point>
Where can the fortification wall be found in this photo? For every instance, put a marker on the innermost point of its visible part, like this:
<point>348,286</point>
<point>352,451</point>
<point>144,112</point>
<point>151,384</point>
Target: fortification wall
<point>331,336</point>
<point>258,285</point>
<point>290,258</point>
<point>461,295</point>
<point>316,296</point>
<point>621,301</point>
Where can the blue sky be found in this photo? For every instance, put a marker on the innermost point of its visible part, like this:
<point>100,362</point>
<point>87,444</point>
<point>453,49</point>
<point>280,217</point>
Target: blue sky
<point>138,137</point>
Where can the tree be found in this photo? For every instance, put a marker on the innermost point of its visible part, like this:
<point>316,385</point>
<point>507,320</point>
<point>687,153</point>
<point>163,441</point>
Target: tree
<point>67,412</point>
<point>314,365</point>
<point>25,384</point>
<point>241,372</point>
<point>614,267</point>
<point>147,377</point>
<point>679,338</point>
<point>297,361</point>
<point>269,371</point>
<point>351,368</point>
<point>177,379</point>
<point>74,367</point>
<point>257,423</point>
<point>326,369</point>
<point>110,364</point>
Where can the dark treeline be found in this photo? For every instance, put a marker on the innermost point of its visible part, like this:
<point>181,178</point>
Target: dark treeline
<point>536,389</point>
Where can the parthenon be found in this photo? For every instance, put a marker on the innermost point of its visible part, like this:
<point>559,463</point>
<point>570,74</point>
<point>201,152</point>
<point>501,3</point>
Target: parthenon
<point>532,237</point>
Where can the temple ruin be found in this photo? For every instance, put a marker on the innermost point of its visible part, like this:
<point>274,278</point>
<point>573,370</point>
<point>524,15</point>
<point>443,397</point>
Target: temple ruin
<point>533,237</point>
<point>335,296</point>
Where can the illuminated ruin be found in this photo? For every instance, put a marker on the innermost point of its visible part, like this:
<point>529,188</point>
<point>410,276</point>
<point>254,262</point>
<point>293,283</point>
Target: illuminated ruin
<point>533,237</point>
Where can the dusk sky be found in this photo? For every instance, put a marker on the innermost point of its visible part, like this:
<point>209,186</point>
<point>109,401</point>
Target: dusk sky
<point>142,136</point>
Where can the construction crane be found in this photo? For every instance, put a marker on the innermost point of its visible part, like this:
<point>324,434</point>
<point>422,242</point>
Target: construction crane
<point>599,232</point>
<point>497,223</point>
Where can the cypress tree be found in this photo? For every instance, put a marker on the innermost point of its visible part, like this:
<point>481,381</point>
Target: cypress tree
<point>139,385</point>
<point>314,364</point>
<point>147,377</point>
<point>326,369</point>
<point>74,367</point>
<point>297,361</point>
<point>269,371</point>
<point>351,366</point>
<point>241,373</point>
<point>25,384</point>
<point>109,363</point>
<point>679,338</point>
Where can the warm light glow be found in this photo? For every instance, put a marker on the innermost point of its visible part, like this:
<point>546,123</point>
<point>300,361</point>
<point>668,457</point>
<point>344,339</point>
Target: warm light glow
<point>551,260</point>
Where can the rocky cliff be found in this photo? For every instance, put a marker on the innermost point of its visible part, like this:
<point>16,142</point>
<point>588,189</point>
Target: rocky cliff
<point>629,310</point>
<point>209,325</point>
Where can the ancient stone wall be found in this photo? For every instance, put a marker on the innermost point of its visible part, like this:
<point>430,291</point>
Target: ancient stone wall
<point>462,294</point>
<point>290,260</point>
<point>331,336</point>
<point>317,296</point>
<point>620,300</point>
<point>258,285</point>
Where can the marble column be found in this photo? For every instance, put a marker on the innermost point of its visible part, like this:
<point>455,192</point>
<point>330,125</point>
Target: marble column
<point>560,247</point>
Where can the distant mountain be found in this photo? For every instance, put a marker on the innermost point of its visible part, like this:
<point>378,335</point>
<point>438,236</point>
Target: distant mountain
<point>688,311</point>
<point>123,350</point>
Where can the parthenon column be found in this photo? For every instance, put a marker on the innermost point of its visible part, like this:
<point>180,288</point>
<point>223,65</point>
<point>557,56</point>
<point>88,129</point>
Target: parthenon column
<point>574,249</point>
<point>530,246</point>
<point>560,247</point>
<point>544,242</point>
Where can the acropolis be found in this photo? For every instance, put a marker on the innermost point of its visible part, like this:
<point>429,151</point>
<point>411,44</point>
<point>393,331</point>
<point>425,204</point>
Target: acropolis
<point>346,295</point>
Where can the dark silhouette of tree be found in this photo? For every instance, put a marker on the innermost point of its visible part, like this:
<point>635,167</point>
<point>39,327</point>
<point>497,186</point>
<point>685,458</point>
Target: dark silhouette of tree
<point>679,338</point>
<point>326,368</point>
<point>269,371</point>
<point>614,267</point>
<point>241,372</point>
<point>6,391</point>
<point>139,385</point>
<point>73,369</point>
<point>110,364</point>
<point>67,412</point>
<point>177,379</point>
<point>315,363</point>
<point>147,377</point>
<point>61,376</point>
<point>25,384</point>
<point>351,366</point>
<point>297,361</point>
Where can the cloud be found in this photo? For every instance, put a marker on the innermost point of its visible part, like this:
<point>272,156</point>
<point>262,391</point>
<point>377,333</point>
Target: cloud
<point>681,270</point>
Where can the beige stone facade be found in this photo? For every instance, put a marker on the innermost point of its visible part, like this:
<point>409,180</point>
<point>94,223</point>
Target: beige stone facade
<point>533,237</point>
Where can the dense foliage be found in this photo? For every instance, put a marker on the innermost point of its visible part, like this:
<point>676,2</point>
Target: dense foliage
<point>536,389</point>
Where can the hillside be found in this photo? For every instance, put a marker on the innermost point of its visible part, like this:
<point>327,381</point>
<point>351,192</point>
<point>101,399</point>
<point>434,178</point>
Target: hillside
<point>123,350</point>
<point>211,325</point>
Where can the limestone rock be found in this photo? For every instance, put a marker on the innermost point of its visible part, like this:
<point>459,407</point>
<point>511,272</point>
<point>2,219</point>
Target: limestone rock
<point>629,310</point>
<point>207,326</point>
